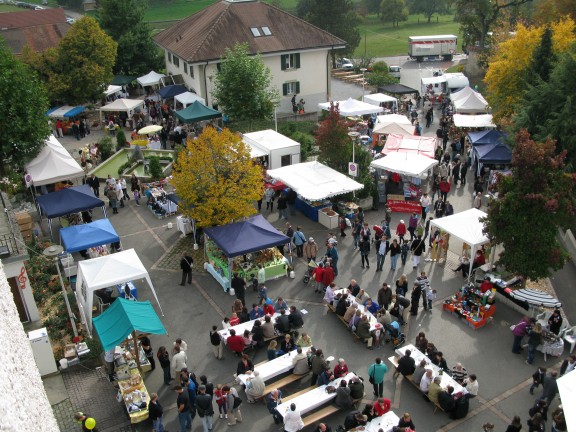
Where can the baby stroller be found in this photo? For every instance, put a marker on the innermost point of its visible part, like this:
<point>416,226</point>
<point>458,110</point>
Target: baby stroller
<point>393,334</point>
<point>311,266</point>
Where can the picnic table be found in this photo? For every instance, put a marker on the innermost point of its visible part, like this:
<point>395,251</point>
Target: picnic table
<point>272,368</point>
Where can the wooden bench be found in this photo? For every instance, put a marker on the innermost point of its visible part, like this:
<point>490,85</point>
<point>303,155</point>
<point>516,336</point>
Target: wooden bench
<point>333,309</point>
<point>319,415</point>
<point>301,392</point>
<point>282,383</point>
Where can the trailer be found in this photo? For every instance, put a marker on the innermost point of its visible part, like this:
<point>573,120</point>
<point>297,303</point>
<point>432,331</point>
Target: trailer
<point>436,46</point>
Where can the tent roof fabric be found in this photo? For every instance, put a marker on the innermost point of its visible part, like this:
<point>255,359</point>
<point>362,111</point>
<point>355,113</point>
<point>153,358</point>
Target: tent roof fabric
<point>150,79</point>
<point>352,107</point>
<point>392,118</point>
<point>456,80</point>
<point>112,89</point>
<point>315,181</point>
<point>465,225</point>
<point>269,139</point>
<point>53,164</point>
<point>488,136</point>
<point>410,144</point>
<point>69,200</point>
<point>462,93</point>
<point>567,389</point>
<point>536,298</point>
<point>123,105</point>
<point>65,111</point>
<point>122,80</point>
<point>434,80</point>
<point>251,235</point>
<point>171,91</point>
<point>395,128</point>
<point>473,121</point>
<point>470,104</point>
<point>397,89</point>
<point>124,317</point>
<point>197,112</point>
<point>405,163</point>
<point>378,98</point>
<point>188,98</point>
<point>80,237</point>
<point>493,153</point>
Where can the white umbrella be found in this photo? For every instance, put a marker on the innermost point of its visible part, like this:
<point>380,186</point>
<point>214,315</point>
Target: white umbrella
<point>150,129</point>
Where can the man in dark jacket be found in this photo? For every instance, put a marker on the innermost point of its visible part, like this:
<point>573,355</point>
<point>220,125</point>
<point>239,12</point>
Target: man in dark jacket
<point>156,413</point>
<point>342,305</point>
<point>406,365</point>
<point>204,407</point>
<point>384,296</point>
<point>186,266</point>
<point>445,399</point>
<point>239,286</point>
<point>295,318</point>
<point>356,388</point>
<point>282,323</point>
<point>291,201</point>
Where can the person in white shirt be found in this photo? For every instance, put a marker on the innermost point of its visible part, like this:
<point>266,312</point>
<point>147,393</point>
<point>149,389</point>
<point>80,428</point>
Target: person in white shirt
<point>293,420</point>
<point>255,387</point>
<point>329,293</point>
<point>425,202</point>
<point>426,381</point>
<point>178,362</point>
<point>471,384</point>
<point>180,343</point>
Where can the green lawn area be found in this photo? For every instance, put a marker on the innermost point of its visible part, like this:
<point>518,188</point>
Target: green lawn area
<point>160,10</point>
<point>380,39</point>
<point>10,8</point>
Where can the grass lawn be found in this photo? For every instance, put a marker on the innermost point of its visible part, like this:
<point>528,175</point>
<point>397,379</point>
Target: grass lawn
<point>10,8</point>
<point>160,10</point>
<point>380,39</point>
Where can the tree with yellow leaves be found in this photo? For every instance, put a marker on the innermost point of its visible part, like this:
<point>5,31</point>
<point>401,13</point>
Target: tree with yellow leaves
<point>506,77</point>
<point>216,179</point>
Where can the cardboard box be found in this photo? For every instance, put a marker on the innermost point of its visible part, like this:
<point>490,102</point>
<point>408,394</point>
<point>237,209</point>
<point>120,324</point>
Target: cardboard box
<point>23,218</point>
<point>28,226</point>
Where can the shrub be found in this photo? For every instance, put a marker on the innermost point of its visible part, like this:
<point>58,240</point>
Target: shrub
<point>106,148</point>
<point>120,139</point>
<point>155,169</point>
<point>380,67</point>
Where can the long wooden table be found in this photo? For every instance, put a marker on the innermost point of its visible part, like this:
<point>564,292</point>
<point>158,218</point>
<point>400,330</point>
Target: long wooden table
<point>272,368</point>
<point>239,328</point>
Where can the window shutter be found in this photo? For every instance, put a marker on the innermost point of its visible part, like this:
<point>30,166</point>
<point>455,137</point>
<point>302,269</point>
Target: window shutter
<point>297,60</point>
<point>283,62</point>
<point>284,89</point>
<point>297,87</point>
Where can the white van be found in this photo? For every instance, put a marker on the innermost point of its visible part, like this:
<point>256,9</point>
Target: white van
<point>394,71</point>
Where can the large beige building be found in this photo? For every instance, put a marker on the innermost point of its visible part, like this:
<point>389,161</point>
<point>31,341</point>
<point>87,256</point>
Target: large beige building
<point>296,52</point>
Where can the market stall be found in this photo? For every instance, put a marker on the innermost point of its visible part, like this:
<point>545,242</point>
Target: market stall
<point>197,112</point>
<point>159,202</point>
<point>93,237</point>
<point>479,121</point>
<point>389,103</point>
<point>127,106</point>
<point>352,107</point>
<point>117,329</point>
<point>468,101</point>
<point>65,111</point>
<point>471,305</point>
<point>274,149</point>
<point>53,164</point>
<point>410,144</point>
<point>104,272</point>
<point>150,79</point>
<point>188,98</point>
<point>240,247</point>
<point>567,390</point>
<point>171,91</point>
<point>314,183</point>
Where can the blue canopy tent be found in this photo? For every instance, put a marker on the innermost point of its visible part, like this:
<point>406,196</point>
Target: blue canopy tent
<point>170,91</point>
<point>493,154</point>
<point>126,317</point>
<point>490,136</point>
<point>241,238</point>
<point>65,111</point>
<point>81,237</point>
<point>66,201</point>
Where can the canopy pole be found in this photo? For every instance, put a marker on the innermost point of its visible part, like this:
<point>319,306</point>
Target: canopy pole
<point>136,350</point>
<point>230,269</point>
<point>50,228</point>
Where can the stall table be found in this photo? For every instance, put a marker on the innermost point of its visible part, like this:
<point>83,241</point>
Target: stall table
<point>330,221</point>
<point>551,344</point>
<point>133,290</point>
<point>272,368</point>
<point>462,304</point>
<point>310,210</point>
<point>132,392</point>
<point>184,225</point>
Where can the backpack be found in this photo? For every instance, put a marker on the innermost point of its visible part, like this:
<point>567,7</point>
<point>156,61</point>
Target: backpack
<point>237,402</point>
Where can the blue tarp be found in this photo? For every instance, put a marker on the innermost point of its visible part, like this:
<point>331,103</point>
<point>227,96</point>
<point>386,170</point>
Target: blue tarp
<point>170,91</point>
<point>80,237</point>
<point>70,200</point>
<point>124,317</point>
<point>493,154</point>
<point>490,136</point>
<point>173,197</point>
<point>252,235</point>
<point>74,111</point>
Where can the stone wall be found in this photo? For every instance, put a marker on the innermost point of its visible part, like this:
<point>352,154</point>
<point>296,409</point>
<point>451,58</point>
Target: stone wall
<point>24,405</point>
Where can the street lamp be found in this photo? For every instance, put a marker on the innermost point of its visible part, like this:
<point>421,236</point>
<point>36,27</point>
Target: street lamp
<point>354,137</point>
<point>363,70</point>
<point>53,252</point>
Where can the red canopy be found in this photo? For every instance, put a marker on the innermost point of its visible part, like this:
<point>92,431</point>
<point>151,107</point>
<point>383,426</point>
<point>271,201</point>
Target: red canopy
<point>410,144</point>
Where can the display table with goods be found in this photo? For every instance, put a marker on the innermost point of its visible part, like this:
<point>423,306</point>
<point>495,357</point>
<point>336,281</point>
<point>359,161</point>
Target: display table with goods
<point>552,344</point>
<point>383,423</point>
<point>124,360</point>
<point>311,209</point>
<point>472,306</point>
<point>98,251</point>
<point>133,394</point>
<point>159,203</point>
<point>328,218</point>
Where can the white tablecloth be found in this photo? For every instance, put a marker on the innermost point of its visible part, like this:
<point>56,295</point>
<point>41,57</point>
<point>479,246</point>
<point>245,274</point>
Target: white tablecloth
<point>552,348</point>
<point>168,206</point>
<point>272,368</point>
<point>385,422</point>
<point>374,324</point>
<point>239,329</point>
<point>313,399</point>
<point>155,145</point>
<point>418,356</point>
<point>184,225</point>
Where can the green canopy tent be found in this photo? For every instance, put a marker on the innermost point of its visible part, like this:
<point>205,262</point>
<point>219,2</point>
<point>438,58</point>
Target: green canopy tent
<point>123,318</point>
<point>122,80</point>
<point>197,112</point>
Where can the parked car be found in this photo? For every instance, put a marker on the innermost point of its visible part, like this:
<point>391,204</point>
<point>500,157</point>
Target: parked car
<point>345,64</point>
<point>70,20</point>
<point>394,71</point>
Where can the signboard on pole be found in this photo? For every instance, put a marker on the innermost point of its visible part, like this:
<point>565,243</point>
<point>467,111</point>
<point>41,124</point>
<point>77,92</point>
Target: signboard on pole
<point>352,169</point>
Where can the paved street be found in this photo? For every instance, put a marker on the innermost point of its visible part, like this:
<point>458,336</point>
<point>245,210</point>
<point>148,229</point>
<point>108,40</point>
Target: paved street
<point>190,311</point>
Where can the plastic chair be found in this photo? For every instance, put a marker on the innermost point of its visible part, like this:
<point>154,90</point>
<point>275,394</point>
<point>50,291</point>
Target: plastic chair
<point>568,334</point>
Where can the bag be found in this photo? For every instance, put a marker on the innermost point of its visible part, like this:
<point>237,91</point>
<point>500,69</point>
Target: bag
<point>371,379</point>
<point>330,389</point>
<point>237,402</point>
<point>512,327</point>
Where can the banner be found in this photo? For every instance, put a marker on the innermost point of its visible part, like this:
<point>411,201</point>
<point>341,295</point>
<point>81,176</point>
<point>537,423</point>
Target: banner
<point>404,206</point>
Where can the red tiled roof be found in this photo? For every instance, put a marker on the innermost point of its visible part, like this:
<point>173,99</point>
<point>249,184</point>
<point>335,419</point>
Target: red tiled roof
<point>39,38</point>
<point>31,18</point>
<point>205,35</point>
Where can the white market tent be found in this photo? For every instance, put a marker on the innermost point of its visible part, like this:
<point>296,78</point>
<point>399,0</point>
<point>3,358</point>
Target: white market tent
<point>473,121</point>
<point>464,93</point>
<point>410,164</point>
<point>352,107</point>
<point>567,389</point>
<point>467,227</point>
<point>471,103</point>
<point>437,82</point>
<point>112,89</point>
<point>150,79</point>
<point>53,164</point>
<point>126,105</point>
<point>274,145</point>
<point>106,272</point>
<point>188,98</point>
<point>315,181</point>
<point>456,80</point>
<point>394,128</point>
<point>383,120</point>
<point>380,98</point>
<point>410,144</point>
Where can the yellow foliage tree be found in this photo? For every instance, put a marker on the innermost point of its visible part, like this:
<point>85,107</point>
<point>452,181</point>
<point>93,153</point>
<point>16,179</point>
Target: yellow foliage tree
<point>216,179</point>
<point>506,75</point>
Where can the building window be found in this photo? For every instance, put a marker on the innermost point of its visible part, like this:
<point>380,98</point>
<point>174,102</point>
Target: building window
<point>255,31</point>
<point>176,61</point>
<point>186,68</point>
<point>266,31</point>
<point>192,71</point>
<point>286,160</point>
<point>169,57</point>
<point>290,88</point>
<point>290,61</point>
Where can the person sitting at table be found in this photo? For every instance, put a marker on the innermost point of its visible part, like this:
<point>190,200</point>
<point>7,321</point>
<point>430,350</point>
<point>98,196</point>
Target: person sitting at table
<point>459,373</point>
<point>342,305</point>
<point>235,342</point>
<point>356,388</point>
<point>255,387</point>
<point>268,308</point>
<point>434,389</point>
<point>382,406</point>
<point>369,412</point>
<point>268,327</point>
<point>371,306</point>
<point>287,344</point>
<point>421,342</point>
<point>280,304</point>
<point>304,341</point>
<point>419,371</point>
<point>322,427</point>
<point>329,294</point>
<point>426,381</point>
<point>479,261</point>
<point>471,384</point>
<point>325,377</point>
<point>244,315</point>
<point>363,332</point>
<point>341,369</point>
<point>353,324</point>
<point>282,323</point>
<point>300,363</point>
<point>362,297</point>
<point>406,422</point>
<point>446,400</point>
<point>295,318</point>
<point>354,419</point>
<point>244,365</point>
<point>247,338</point>
<point>274,399</point>
<point>406,364</point>
<point>272,351</point>
<point>384,317</point>
<point>430,351</point>
<point>256,312</point>
<point>258,334</point>
<point>350,312</point>
<point>354,288</point>
<point>440,361</point>
<point>555,322</point>
<point>486,285</point>
<point>234,320</point>
<point>343,398</point>
<point>226,323</point>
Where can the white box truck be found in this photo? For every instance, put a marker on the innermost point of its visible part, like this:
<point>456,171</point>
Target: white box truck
<point>421,47</point>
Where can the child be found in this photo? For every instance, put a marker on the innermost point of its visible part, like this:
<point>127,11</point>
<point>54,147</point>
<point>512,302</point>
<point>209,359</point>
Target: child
<point>136,195</point>
<point>262,293</point>
<point>221,401</point>
<point>247,337</point>
<point>404,252</point>
<point>430,296</point>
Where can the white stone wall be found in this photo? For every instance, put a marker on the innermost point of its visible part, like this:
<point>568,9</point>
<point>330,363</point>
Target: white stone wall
<point>24,405</point>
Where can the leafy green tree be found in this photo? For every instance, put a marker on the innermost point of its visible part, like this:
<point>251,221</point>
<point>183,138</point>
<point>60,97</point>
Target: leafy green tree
<point>393,11</point>
<point>242,86</point>
<point>124,21</point>
<point>337,17</point>
<point>373,7</point>
<point>428,7</point>
<point>532,204</point>
<point>23,112</point>
<point>542,59</point>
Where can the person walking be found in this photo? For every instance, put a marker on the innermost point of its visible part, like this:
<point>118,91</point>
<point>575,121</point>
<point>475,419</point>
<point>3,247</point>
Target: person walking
<point>156,413</point>
<point>549,387</point>
<point>204,408</point>
<point>365,250</point>
<point>299,239</point>
<point>112,198</point>
<point>376,373</point>
<point>282,206</point>
<point>216,343</point>
<point>186,266</point>
<point>394,254</point>
<point>233,405</point>
<point>269,194</point>
<point>534,339</point>
<point>310,250</point>
<point>418,247</point>
<point>293,420</point>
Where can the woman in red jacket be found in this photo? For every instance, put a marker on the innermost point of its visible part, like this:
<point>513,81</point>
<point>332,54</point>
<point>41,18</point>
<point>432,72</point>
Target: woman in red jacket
<point>382,406</point>
<point>401,231</point>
